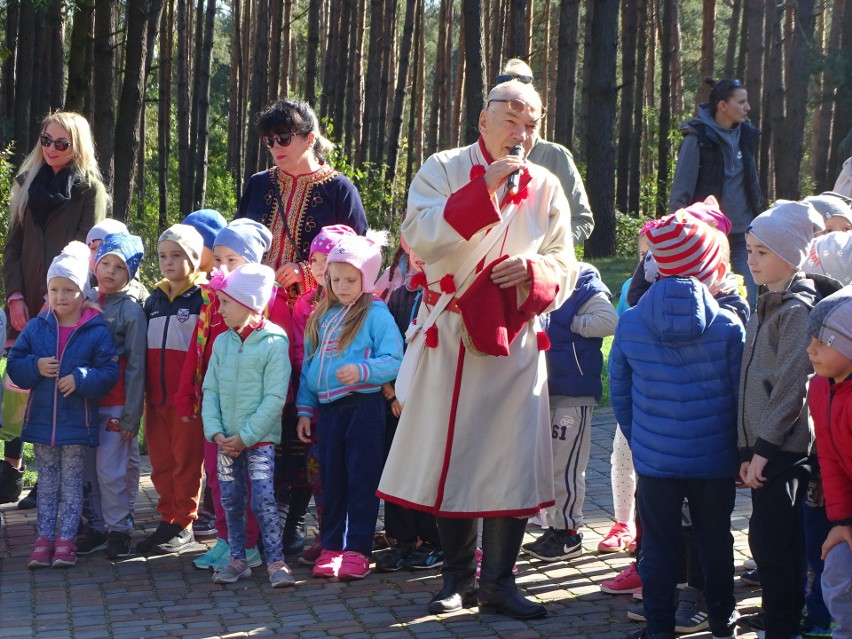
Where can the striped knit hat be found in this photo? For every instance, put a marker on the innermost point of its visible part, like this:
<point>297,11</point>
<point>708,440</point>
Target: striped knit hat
<point>687,247</point>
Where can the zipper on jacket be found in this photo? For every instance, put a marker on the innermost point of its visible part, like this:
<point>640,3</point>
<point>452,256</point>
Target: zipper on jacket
<point>163,357</point>
<point>742,395</point>
<point>56,381</point>
<point>237,376</point>
<point>577,359</point>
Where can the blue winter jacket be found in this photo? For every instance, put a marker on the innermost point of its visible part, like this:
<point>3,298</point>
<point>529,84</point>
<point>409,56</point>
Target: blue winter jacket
<point>674,381</point>
<point>574,362</point>
<point>89,356</point>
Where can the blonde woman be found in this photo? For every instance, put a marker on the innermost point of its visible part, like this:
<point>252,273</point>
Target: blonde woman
<point>57,197</point>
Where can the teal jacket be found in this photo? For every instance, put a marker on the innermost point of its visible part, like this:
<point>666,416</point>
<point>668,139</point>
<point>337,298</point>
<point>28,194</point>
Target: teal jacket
<point>246,385</point>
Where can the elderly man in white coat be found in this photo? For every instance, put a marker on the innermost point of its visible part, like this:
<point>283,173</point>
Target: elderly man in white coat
<point>474,436</point>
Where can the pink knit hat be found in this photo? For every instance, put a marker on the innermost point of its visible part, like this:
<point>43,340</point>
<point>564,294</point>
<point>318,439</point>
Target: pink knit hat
<point>328,237</point>
<point>364,253</point>
<point>684,246</point>
<point>708,211</point>
<point>249,285</point>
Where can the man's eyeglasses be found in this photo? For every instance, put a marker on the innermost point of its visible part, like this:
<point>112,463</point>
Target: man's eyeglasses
<point>506,77</point>
<point>60,145</point>
<point>519,106</point>
<point>282,140</point>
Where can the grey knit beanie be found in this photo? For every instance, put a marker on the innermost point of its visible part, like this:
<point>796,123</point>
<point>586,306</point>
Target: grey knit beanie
<point>787,230</point>
<point>830,321</point>
<point>830,204</point>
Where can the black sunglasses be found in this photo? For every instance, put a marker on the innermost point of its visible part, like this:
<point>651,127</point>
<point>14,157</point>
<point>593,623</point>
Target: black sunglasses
<point>505,77</point>
<point>60,145</point>
<point>282,140</point>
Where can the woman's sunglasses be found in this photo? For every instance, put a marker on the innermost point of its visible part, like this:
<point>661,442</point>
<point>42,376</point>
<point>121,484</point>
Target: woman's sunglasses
<point>59,145</point>
<point>506,77</point>
<point>282,140</point>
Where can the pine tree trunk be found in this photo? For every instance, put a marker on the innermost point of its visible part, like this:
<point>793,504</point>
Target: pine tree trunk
<point>517,47</point>
<point>445,95</point>
<point>378,142</point>
<point>275,33</point>
<point>663,146</point>
<point>635,143</point>
<point>24,82</point>
<point>754,16</point>
<point>40,93</point>
<point>184,107</point>
<point>79,95</point>
<point>415,112</point>
<point>765,170</point>
<point>822,127</point>
<point>772,125</point>
<point>355,83</point>
<point>54,78</point>
<point>342,121</point>
<point>600,175</point>
<point>400,92</point>
<point>733,32</point>
<point>284,77</point>
<point>629,39</point>
<point>202,97</point>
<point>708,35</point>
<point>164,112</point>
<point>582,123</point>
<point>331,60</point>
<point>842,124</point>
<point>235,123</point>
<point>257,82</point>
<point>566,82</point>
<point>677,104</point>
<point>458,86</point>
<point>474,77</point>
<point>314,7</point>
<point>106,20</point>
<point>373,81</point>
<point>544,73</point>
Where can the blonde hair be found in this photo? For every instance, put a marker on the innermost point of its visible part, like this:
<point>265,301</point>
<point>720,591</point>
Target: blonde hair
<point>516,66</point>
<point>83,161</point>
<point>355,317</point>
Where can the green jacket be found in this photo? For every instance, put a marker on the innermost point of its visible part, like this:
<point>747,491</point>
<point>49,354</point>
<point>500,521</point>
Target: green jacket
<point>245,387</point>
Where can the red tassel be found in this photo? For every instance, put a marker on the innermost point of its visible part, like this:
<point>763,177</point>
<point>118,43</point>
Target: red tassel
<point>543,341</point>
<point>432,337</point>
<point>418,280</point>
<point>477,170</point>
<point>447,284</point>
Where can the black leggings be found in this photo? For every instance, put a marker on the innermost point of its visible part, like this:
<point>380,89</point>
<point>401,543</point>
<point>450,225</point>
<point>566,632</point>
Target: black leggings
<point>14,449</point>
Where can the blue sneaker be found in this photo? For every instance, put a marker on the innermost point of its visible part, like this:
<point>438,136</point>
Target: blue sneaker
<point>253,559</point>
<point>213,557</point>
<point>809,629</point>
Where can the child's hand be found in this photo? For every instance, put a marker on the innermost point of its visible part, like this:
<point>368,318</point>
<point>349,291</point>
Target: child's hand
<point>20,315</point>
<point>396,408</point>
<point>743,473</point>
<point>233,445</point>
<point>836,536</point>
<point>48,366</point>
<point>303,429</point>
<point>128,435</point>
<point>348,374</point>
<point>66,385</point>
<point>754,477</point>
<point>387,391</point>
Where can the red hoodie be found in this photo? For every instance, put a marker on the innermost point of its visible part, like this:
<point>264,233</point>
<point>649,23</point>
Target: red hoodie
<point>831,408</point>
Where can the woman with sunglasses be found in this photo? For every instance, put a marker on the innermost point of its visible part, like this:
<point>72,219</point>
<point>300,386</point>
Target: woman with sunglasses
<point>57,197</point>
<point>300,194</point>
<point>716,157</point>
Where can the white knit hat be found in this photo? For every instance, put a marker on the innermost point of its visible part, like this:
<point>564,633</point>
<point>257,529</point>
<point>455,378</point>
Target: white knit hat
<point>106,227</point>
<point>364,253</point>
<point>189,239</point>
<point>73,263</point>
<point>831,254</point>
<point>787,230</point>
<point>250,285</point>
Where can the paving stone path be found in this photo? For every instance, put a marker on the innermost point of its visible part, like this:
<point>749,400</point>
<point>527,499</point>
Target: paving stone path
<point>166,597</point>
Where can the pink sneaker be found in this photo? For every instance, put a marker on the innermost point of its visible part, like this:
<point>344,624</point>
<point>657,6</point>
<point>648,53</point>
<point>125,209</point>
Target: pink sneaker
<point>617,539</point>
<point>310,556</point>
<point>42,553</point>
<point>327,564</point>
<point>353,565</point>
<point>478,556</point>
<point>627,582</point>
<point>65,554</point>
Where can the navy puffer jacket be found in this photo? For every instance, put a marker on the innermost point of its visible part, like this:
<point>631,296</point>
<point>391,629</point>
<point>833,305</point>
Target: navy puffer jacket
<point>89,356</point>
<point>674,381</point>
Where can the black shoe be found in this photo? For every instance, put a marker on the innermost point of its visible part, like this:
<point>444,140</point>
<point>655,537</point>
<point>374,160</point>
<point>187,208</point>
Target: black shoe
<point>11,482</point>
<point>204,527</point>
<point>750,578</point>
<point>90,540</point>
<point>537,543</point>
<point>394,559</point>
<point>425,557</point>
<point>691,613</point>
<point>165,531</point>
<point>636,613</point>
<point>557,546</point>
<point>454,596</point>
<point>458,539</point>
<point>294,530</point>
<point>118,545</point>
<point>29,502</point>
<point>181,540</point>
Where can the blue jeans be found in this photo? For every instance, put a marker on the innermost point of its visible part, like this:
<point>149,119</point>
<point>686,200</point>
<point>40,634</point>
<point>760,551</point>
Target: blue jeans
<point>351,434</point>
<point>739,264</point>
<point>258,464</point>
<point>60,474</point>
<point>711,502</point>
<point>837,589</point>
<point>815,528</point>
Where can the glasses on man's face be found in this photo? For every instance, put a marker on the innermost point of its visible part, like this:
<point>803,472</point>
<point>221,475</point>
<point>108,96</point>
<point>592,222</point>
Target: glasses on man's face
<point>60,145</point>
<point>519,106</point>
<point>506,77</point>
<point>282,140</point>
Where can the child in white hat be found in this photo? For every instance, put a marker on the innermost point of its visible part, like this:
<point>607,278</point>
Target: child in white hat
<point>352,347</point>
<point>245,390</point>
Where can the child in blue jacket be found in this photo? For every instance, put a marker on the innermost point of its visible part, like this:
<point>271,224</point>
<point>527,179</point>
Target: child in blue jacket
<point>352,347</point>
<point>673,380</point>
<point>67,360</point>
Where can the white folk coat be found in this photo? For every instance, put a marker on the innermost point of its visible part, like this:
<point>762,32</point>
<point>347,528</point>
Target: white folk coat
<point>474,437</point>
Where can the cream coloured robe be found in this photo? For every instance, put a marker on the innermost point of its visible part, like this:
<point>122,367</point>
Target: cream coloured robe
<point>474,436</point>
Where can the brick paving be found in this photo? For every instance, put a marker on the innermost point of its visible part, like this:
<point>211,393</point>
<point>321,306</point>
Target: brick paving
<point>166,596</point>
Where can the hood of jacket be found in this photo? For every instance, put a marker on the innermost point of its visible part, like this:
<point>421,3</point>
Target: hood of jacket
<point>808,288</point>
<point>677,309</point>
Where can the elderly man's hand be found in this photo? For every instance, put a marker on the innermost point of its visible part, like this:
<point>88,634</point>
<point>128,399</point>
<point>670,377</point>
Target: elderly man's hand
<point>511,272</point>
<point>499,171</point>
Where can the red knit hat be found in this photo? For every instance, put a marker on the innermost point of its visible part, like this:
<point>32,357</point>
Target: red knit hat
<point>684,246</point>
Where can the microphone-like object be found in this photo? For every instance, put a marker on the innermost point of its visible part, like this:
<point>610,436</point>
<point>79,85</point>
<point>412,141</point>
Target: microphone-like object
<point>512,183</point>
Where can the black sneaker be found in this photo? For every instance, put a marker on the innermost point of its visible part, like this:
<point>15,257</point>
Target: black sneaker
<point>29,502</point>
<point>559,545</point>
<point>636,613</point>
<point>204,527</point>
<point>424,557</point>
<point>11,482</point>
<point>165,531</point>
<point>183,539</point>
<point>538,543</point>
<point>395,558</point>
<point>691,612</point>
<point>118,545</point>
<point>750,578</point>
<point>90,540</point>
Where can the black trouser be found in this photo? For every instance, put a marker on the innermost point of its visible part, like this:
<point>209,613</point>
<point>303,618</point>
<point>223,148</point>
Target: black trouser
<point>711,502</point>
<point>774,536</point>
<point>14,449</point>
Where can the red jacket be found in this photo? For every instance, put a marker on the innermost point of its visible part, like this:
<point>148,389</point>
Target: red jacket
<point>188,400</point>
<point>831,408</point>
